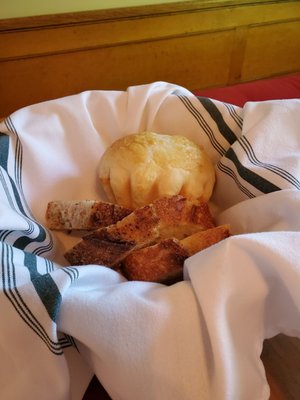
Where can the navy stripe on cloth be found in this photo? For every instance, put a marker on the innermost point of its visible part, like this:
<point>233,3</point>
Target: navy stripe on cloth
<point>216,115</point>
<point>246,145</point>
<point>45,287</point>
<point>251,177</point>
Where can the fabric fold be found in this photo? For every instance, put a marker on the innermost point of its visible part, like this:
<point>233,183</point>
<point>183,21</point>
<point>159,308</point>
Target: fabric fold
<point>200,338</point>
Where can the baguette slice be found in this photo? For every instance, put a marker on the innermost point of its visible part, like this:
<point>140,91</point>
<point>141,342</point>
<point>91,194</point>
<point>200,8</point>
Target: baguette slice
<point>163,262</point>
<point>201,240</point>
<point>173,216</point>
<point>83,214</point>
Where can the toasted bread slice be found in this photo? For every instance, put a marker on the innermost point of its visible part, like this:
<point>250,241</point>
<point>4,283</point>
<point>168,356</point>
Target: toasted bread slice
<point>201,240</point>
<point>155,263</point>
<point>173,216</point>
<point>163,262</point>
<point>108,246</point>
<point>180,217</point>
<point>83,214</point>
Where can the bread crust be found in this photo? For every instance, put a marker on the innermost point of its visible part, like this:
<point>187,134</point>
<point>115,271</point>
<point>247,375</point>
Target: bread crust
<point>141,167</point>
<point>83,214</point>
<point>174,216</point>
<point>156,263</point>
<point>163,262</point>
<point>202,240</point>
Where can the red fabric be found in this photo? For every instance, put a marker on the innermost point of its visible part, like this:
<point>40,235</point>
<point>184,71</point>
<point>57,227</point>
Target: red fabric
<point>287,87</point>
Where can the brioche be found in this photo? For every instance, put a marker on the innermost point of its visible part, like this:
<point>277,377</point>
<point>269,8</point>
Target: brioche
<point>174,216</point>
<point>139,168</point>
<point>83,214</point>
<point>163,262</point>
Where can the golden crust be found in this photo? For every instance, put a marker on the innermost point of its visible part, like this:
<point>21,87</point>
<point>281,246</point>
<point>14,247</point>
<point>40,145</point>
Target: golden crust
<point>139,168</point>
<point>163,262</point>
<point>155,263</point>
<point>201,240</point>
<point>181,217</point>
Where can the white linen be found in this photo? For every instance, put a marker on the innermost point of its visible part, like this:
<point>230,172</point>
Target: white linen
<point>200,338</point>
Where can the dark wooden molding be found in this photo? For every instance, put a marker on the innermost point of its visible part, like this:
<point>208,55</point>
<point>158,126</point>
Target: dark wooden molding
<point>83,17</point>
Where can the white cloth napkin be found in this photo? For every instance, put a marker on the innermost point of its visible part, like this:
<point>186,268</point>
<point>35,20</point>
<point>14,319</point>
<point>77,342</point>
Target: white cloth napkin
<point>200,338</point>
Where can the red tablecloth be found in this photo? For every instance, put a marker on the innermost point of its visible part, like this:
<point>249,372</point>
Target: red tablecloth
<point>287,87</point>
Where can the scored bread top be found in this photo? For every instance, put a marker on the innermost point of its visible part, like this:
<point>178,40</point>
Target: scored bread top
<point>139,168</point>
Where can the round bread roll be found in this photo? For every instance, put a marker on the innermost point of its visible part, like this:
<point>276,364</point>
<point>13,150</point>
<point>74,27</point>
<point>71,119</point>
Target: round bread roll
<point>139,168</point>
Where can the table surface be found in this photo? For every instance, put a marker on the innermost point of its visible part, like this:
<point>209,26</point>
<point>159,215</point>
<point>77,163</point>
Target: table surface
<point>281,357</point>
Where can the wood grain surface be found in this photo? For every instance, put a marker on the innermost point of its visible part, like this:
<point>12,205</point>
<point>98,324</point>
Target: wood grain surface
<point>196,44</point>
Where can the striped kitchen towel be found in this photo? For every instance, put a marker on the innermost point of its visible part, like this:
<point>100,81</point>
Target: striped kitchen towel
<point>200,338</point>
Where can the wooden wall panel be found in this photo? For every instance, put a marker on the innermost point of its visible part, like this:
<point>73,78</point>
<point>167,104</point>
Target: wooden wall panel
<point>196,44</point>
<point>274,48</point>
<point>118,67</point>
